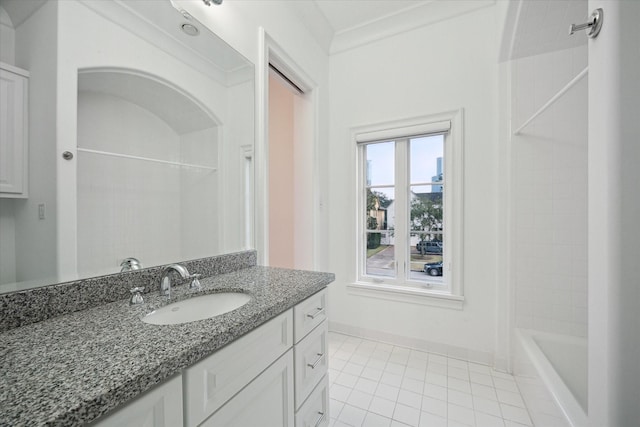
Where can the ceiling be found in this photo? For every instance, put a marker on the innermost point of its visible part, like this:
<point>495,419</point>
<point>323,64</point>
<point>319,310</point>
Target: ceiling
<point>339,25</point>
<point>345,14</point>
<point>531,27</point>
<point>543,26</point>
<point>20,10</point>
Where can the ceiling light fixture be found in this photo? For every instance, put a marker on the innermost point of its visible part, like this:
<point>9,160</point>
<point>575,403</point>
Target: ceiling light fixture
<point>208,2</point>
<point>189,29</point>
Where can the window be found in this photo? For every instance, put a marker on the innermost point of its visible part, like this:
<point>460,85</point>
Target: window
<point>410,207</point>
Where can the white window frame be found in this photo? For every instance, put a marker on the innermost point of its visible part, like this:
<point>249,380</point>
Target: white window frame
<point>398,288</point>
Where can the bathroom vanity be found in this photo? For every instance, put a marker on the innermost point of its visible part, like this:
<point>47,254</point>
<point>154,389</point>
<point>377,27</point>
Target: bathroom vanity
<point>264,378</point>
<point>262,364</point>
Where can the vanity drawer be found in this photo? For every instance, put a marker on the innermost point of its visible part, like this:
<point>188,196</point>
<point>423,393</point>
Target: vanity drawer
<point>315,410</point>
<point>311,359</point>
<point>211,382</point>
<point>309,314</point>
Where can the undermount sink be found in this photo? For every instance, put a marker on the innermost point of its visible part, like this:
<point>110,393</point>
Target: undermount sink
<point>197,308</point>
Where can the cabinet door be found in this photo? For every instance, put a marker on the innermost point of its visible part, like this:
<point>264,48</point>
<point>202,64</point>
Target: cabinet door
<point>214,380</point>
<point>266,402</point>
<point>13,134</point>
<point>160,407</point>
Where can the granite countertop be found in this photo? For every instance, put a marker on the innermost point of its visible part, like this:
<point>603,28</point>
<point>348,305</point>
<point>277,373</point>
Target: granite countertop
<point>75,368</point>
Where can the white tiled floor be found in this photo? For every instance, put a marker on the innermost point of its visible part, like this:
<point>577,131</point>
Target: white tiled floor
<point>377,384</point>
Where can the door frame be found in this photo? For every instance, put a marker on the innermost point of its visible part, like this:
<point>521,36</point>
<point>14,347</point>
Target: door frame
<point>270,52</point>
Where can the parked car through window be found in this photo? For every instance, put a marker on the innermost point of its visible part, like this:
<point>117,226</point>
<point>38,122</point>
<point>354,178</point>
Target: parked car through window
<point>429,247</point>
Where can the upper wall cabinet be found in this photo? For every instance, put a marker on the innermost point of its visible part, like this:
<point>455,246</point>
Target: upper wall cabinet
<point>14,150</point>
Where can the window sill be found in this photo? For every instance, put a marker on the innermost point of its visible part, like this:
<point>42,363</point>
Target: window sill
<point>407,294</point>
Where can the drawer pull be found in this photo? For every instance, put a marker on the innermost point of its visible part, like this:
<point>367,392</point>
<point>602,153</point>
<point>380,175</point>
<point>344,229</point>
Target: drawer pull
<point>319,310</point>
<point>320,420</point>
<point>314,364</point>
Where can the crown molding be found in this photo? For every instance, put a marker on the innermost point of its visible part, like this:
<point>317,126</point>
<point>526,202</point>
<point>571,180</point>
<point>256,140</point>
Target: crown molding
<point>407,19</point>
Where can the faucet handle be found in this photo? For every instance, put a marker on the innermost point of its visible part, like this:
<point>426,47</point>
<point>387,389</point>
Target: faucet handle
<point>136,295</point>
<point>195,282</point>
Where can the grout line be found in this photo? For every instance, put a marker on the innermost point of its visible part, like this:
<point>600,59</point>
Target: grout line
<point>354,344</point>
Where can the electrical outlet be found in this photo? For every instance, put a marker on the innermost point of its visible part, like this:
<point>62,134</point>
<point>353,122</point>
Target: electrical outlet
<point>41,211</point>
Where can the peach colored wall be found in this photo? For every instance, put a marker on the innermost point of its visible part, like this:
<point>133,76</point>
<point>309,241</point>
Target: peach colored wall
<point>281,172</point>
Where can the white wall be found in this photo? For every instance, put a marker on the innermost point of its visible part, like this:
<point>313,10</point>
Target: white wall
<point>7,38</point>
<point>441,67</point>
<point>7,215</point>
<point>120,209</point>
<point>614,209</point>
<point>549,193</point>
<point>36,50</point>
<point>7,243</point>
<point>199,195</point>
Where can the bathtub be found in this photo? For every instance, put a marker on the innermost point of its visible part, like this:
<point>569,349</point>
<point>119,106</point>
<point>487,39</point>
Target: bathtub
<point>551,371</point>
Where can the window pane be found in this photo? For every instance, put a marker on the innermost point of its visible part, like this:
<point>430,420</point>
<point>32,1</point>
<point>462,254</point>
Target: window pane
<point>380,217</point>
<point>380,212</point>
<point>425,207</point>
<point>426,257</point>
<point>426,157</point>
<point>381,260</point>
<point>380,163</point>
<point>426,238</point>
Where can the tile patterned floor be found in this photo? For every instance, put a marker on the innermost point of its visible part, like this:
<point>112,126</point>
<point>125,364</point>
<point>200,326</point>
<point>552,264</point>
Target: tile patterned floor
<point>375,384</point>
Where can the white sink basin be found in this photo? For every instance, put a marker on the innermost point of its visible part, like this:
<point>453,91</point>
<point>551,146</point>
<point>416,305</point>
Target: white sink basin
<point>197,308</point>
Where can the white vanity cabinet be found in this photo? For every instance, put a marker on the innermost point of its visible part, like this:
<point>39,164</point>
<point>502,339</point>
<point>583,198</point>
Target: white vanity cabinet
<point>274,376</point>
<point>210,383</point>
<point>315,410</point>
<point>309,313</point>
<point>266,402</point>
<point>311,334</point>
<point>292,388</point>
<point>161,406</point>
<point>14,150</point>
<point>311,362</point>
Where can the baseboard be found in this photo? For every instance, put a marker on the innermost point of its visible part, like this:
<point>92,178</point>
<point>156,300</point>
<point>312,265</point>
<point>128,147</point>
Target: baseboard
<point>475,356</point>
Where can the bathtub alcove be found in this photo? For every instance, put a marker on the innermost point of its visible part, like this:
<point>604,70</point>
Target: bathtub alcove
<point>146,171</point>
<point>548,107</point>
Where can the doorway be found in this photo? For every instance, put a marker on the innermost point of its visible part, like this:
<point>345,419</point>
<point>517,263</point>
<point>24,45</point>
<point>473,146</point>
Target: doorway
<point>290,172</point>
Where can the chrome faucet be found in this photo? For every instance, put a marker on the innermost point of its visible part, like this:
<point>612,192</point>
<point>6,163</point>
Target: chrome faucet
<point>165,280</point>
